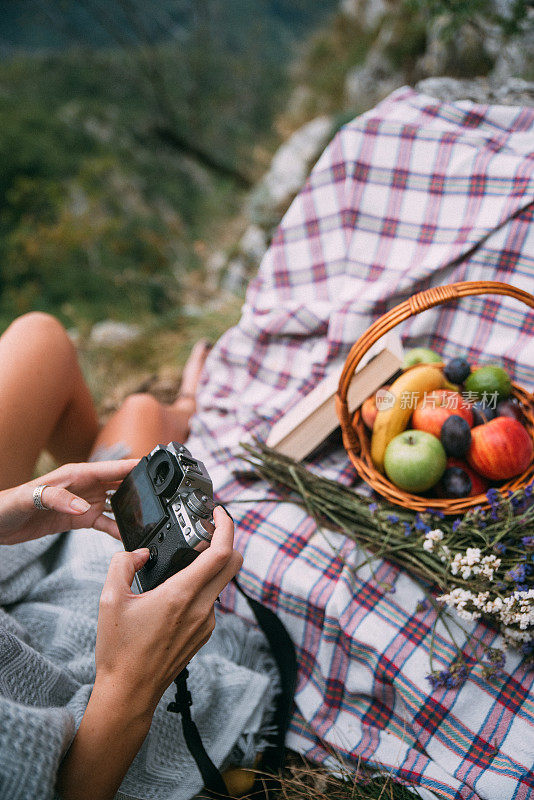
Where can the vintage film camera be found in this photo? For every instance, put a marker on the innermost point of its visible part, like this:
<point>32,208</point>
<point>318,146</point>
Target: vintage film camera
<point>166,504</point>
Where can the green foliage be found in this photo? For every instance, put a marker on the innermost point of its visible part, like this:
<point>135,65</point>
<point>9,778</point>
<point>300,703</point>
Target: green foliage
<point>331,53</point>
<point>408,41</point>
<point>458,13</point>
<point>88,251</point>
<point>97,217</point>
<point>75,229</point>
<point>106,201</point>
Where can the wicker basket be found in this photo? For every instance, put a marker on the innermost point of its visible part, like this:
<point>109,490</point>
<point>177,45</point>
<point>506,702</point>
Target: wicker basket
<point>356,438</point>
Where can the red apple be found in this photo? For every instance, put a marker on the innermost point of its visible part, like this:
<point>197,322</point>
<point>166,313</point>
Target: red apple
<point>369,410</point>
<point>500,449</point>
<point>479,485</point>
<point>433,409</point>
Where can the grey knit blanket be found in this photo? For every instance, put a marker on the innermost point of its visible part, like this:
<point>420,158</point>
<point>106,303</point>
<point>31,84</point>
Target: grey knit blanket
<point>49,594</point>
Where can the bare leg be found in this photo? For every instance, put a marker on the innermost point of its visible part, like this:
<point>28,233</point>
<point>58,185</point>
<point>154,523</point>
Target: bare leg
<point>45,403</point>
<point>142,421</point>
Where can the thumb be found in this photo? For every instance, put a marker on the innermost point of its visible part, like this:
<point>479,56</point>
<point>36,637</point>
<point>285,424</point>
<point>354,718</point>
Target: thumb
<point>123,567</point>
<point>55,498</point>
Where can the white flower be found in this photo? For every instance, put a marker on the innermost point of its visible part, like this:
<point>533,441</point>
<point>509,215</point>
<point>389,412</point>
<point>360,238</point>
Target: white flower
<point>444,553</point>
<point>493,606</point>
<point>431,537</point>
<point>480,599</point>
<point>470,563</point>
<point>458,598</point>
<point>489,565</point>
<point>518,609</point>
<point>468,614</point>
<point>515,612</point>
<point>472,555</point>
<point>517,636</point>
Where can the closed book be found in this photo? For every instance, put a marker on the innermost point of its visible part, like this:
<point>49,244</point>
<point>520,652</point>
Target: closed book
<point>307,424</point>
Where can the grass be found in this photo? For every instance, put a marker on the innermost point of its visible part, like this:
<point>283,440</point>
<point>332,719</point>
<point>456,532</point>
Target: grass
<point>153,362</point>
<point>305,781</point>
<point>330,54</point>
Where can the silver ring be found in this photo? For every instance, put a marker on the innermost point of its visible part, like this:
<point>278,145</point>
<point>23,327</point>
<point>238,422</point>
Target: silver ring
<point>38,497</point>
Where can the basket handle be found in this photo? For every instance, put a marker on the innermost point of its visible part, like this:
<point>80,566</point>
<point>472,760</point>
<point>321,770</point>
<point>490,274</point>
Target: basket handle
<point>408,308</point>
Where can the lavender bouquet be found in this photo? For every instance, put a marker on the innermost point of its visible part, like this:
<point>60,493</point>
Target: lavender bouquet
<point>480,565</point>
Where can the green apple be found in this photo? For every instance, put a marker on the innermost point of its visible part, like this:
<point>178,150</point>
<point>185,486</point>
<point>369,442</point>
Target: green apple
<point>415,460</point>
<point>420,355</point>
<point>490,380</point>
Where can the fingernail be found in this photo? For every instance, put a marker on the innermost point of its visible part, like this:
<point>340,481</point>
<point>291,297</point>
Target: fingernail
<point>78,504</point>
<point>225,511</point>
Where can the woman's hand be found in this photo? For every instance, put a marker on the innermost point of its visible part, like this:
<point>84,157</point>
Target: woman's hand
<point>159,631</point>
<point>143,642</point>
<point>74,497</point>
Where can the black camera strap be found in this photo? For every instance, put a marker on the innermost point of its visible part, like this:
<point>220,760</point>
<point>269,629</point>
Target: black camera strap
<point>213,780</point>
<point>283,652</point>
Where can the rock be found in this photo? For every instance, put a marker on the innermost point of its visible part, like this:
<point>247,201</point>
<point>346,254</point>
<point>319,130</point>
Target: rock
<point>293,159</point>
<point>515,91</point>
<point>289,169</point>
<point>350,8</point>
<point>466,53</point>
<point>300,100</point>
<point>216,262</point>
<point>271,197</point>
<point>191,310</point>
<point>260,208</point>
<point>367,85</point>
<point>436,58</point>
<point>109,333</point>
<point>98,129</point>
<point>236,277</point>
<point>368,13</point>
<point>74,336</point>
<point>253,244</point>
<point>451,89</point>
<point>517,57</point>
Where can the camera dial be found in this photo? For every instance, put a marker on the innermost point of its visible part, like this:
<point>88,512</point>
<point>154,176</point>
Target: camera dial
<point>200,504</point>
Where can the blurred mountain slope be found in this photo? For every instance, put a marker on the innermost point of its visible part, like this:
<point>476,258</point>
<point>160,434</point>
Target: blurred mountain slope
<point>142,179</point>
<point>47,24</point>
<point>128,135</point>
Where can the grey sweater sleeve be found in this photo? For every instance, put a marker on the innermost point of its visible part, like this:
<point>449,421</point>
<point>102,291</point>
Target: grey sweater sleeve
<point>47,669</point>
<point>32,743</point>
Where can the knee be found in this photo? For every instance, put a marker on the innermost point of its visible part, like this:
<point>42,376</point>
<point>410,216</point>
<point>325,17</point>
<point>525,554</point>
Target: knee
<point>140,406</point>
<point>42,329</point>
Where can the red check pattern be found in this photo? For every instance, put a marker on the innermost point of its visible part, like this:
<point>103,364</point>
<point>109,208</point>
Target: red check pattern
<point>412,194</point>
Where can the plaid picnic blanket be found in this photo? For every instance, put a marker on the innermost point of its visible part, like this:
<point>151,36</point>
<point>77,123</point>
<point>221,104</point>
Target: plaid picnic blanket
<point>412,194</point>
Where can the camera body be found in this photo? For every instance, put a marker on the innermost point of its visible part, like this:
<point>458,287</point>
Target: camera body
<point>166,504</point>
